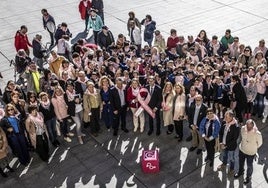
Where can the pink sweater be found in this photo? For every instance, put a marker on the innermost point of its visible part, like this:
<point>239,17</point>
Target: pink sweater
<point>60,107</point>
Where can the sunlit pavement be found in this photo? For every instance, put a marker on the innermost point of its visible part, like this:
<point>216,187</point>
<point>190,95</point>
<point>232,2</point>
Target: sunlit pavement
<point>108,161</point>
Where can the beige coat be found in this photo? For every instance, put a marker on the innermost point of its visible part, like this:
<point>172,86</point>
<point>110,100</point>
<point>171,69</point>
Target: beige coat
<point>179,107</point>
<point>91,101</point>
<point>30,127</point>
<point>167,108</point>
<point>3,144</point>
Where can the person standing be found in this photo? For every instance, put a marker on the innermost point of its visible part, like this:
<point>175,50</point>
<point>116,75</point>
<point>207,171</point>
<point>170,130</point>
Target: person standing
<point>105,38</point>
<point>154,105</point>
<point>135,36</point>
<point>60,108</point>
<point>49,24</point>
<point>149,25</point>
<point>167,106</point>
<point>75,109</point>
<point>22,41</point>
<point>132,18</point>
<point>98,5</point>
<point>209,130</point>
<point>61,31</point>
<point>4,156</point>
<point>47,109</point>
<point>135,94</point>
<point>13,128</point>
<point>92,105</point>
<point>250,143</point>
<point>95,23</point>
<point>239,96</point>
<point>38,51</point>
<point>197,112</point>
<point>84,7</point>
<point>179,104</point>
<point>228,136</point>
<point>38,134</point>
<point>119,106</point>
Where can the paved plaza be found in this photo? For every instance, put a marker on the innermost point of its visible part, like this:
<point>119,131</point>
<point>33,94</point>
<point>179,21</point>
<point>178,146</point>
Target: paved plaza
<point>108,161</point>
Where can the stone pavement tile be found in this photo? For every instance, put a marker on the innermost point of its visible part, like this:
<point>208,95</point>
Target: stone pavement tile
<point>11,181</point>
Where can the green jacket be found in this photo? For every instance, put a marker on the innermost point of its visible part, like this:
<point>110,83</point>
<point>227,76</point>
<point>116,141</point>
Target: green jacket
<point>95,24</point>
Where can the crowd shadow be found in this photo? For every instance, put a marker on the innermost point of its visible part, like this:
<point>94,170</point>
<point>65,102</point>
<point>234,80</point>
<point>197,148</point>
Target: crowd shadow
<point>83,35</point>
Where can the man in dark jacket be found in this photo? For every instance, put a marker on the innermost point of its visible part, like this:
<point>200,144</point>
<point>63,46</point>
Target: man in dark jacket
<point>38,51</point>
<point>228,136</point>
<point>196,113</point>
<point>119,106</point>
<point>155,104</point>
<point>105,38</point>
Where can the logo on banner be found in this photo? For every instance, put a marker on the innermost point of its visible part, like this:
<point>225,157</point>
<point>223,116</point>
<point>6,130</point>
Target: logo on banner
<point>150,166</point>
<point>150,155</point>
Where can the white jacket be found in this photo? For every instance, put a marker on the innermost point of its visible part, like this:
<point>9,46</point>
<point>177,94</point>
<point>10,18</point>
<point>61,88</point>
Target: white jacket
<point>136,35</point>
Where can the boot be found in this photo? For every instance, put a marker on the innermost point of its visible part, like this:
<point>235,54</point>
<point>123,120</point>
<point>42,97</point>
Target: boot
<point>10,169</point>
<point>3,173</point>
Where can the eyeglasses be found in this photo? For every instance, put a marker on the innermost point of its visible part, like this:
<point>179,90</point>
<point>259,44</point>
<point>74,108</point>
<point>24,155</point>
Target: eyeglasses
<point>11,109</point>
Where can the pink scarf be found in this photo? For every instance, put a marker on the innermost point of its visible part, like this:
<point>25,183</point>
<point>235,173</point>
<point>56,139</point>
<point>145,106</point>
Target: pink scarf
<point>144,103</point>
<point>37,120</point>
<point>70,95</point>
<point>46,104</point>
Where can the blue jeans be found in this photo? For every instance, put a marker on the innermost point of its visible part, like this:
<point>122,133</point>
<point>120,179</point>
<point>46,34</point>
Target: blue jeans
<point>242,158</point>
<point>231,158</point>
<point>51,128</point>
<point>259,104</point>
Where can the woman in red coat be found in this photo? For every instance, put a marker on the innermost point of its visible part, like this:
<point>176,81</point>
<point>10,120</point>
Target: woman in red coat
<point>84,7</point>
<point>132,99</point>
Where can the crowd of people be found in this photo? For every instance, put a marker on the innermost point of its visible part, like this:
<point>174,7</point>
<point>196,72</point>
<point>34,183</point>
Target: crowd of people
<point>210,84</point>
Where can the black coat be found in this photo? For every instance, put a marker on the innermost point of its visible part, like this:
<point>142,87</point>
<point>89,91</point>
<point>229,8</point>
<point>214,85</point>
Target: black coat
<point>239,95</point>
<point>47,113</point>
<point>115,99</point>
<point>156,98</point>
<point>231,137</point>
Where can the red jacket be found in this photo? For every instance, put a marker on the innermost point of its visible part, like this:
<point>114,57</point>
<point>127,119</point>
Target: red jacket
<point>21,41</point>
<point>131,97</point>
<point>172,43</point>
<point>83,10</point>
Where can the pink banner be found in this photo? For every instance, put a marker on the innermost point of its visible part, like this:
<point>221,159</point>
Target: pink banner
<point>144,103</point>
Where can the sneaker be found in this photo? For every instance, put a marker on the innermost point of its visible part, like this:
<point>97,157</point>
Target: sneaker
<point>221,167</point>
<point>245,116</point>
<point>135,129</point>
<point>83,135</point>
<point>263,120</point>
<point>169,132</point>
<point>247,180</point>
<point>70,134</point>
<point>67,139</point>
<point>249,115</point>
<point>141,130</point>
<point>80,140</point>
<point>237,175</point>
